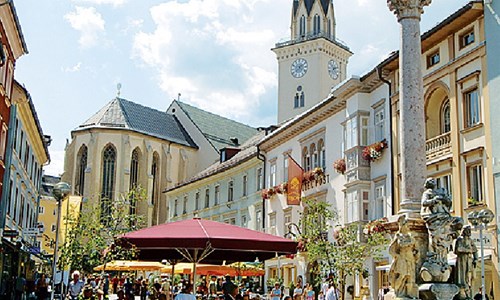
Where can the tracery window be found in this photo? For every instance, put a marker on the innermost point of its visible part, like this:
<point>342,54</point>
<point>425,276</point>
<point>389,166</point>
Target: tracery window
<point>154,173</point>
<point>108,180</point>
<point>134,168</point>
<point>302,26</point>
<point>317,26</point>
<point>80,172</point>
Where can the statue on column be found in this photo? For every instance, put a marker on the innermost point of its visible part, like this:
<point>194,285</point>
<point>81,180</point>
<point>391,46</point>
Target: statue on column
<point>404,252</point>
<point>466,252</point>
<point>443,229</point>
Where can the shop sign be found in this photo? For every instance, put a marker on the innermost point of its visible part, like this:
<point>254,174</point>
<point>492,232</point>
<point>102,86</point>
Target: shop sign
<point>34,250</point>
<point>10,233</point>
<point>31,232</point>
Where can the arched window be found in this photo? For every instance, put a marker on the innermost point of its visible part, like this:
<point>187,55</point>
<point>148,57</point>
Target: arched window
<point>108,180</point>
<point>154,173</point>
<point>296,101</point>
<point>306,159</point>
<point>329,29</point>
<point>302,26</point>
<point>134,168</point>
<point>80,170</point>
<point>322,154</point>
<point>317,26</point>
<point>446,117</point>
<point>314,155</point>
<point>302,99</point>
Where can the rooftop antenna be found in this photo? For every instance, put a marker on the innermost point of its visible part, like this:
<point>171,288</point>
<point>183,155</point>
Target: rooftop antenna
<point>118,90</point>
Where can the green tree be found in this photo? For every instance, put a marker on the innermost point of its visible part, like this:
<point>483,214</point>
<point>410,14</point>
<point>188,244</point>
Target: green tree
<point>343,257</point>
<point>92,238</point>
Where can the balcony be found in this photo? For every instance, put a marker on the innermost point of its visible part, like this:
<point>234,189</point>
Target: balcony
<point>438,146</point>
<point>311,36</point>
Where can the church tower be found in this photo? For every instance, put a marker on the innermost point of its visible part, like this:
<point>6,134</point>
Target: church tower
<point>312,61</point>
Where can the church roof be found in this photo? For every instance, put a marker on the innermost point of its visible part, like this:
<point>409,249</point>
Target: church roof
<point>309,5</point>
<point>219,131</point>
<point>248,150</point>
<point>123,114</point>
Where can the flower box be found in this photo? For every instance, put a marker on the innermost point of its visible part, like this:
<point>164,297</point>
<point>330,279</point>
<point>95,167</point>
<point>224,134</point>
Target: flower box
<point>340,166</point>
<point>374,151</point>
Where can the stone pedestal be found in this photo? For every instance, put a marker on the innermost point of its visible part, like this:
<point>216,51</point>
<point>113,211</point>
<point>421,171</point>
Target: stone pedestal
<point>438,291</point>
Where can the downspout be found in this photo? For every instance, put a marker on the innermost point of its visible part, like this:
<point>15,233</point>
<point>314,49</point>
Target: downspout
<point>262,157</point>
<point>8,161</point>
<point>379,72</point>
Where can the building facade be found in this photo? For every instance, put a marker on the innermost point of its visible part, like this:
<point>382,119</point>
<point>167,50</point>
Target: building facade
<point>28,155</point>
<point>228,191</point>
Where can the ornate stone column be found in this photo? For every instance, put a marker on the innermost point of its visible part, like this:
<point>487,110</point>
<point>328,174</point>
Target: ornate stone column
<point>412,124</point>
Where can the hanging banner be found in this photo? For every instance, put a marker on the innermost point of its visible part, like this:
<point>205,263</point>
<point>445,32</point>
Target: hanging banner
<point>294,189</point>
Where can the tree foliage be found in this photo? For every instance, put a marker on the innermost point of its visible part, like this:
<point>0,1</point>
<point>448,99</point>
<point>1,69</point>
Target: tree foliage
<point>343,255</point>
<point>91,237</point>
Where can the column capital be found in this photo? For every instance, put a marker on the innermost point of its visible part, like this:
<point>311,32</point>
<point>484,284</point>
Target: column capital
<point>407,8</point>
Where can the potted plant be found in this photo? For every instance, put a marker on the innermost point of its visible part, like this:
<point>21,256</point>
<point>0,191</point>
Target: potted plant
<point>374,151</point>
<point>339,166</point>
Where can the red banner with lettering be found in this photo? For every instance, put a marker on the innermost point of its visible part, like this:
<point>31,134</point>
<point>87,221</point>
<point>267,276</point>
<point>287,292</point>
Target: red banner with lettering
<point>294,189</point>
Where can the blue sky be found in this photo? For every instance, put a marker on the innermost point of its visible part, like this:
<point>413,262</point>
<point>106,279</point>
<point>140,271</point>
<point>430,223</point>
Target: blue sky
<point>215,53</point>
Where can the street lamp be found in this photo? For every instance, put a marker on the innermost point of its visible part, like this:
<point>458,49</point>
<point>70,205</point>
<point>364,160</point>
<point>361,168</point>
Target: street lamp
<point>60,190</point>
<point>481,219</point>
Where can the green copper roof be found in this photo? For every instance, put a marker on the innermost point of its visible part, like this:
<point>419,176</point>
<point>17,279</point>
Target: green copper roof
<point>219,131</point>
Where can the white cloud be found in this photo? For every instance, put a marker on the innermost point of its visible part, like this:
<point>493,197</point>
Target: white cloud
<point>115,3</point>
<point>89,23</point>
<point>56,166</point>
<point>216,53</point>
<point>73,69</point>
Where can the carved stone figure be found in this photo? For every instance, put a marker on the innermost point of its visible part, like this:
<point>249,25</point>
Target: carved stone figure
<point>466,252</point>
<point>402,273</point>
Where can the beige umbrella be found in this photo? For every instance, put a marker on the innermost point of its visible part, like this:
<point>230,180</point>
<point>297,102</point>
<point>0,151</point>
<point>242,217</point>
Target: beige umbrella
<point>130,265</point>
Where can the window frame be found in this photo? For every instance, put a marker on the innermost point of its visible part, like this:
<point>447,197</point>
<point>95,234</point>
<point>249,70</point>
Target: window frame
<point>433,58</point>
<point>464,40</point>
<point>468,113</point>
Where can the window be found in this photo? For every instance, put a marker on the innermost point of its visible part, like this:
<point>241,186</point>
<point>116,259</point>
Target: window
<point>184,205</point>
<point>9,201</point>
<point>317,26</point>
<point>197,201</point>
<point>154,173</point>
<point>444,182</point>
<point>299,99</point>
<point>379,120</point>
<point>259,179</point>
<point>365,121</point>
<point>365,204</point>
<point>472,109</point>
<point>351,133</point>
<point>322,154</point>
<point>433,59</point>
<point>467,38</point>
<point>352,207</point>
<point>329,29</point>
<point>245,185</point>
<point>306,159</point>
<point>272,224</point>
<point>302,26</point>
<point>217,195</point>
<point>3,141</point>
<point>134,168</point>
<point>314,155</point>
<point>207,198</point>
<point>176,203</point>
<point>108,179</point>
<point>230,191</point>
<point>475,181</point>
<point>272,174</point>
<point>379,201</point>
<point>82,165</point>
<point>244,221</point>
<point>446,117</point>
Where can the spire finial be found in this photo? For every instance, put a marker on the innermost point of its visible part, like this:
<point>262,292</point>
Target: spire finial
<point>178,96</point>
<point>118,89</point>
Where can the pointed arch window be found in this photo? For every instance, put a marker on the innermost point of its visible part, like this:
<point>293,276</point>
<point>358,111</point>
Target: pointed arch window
<point>108,180</point>
<point>317,26</point>
<point>302,26</point>
<point>80,172</point>
<point>329,29</point>
<point>134,168</point>
<point>446,117</point>
<point>299,99</point>
<point>154,173</point>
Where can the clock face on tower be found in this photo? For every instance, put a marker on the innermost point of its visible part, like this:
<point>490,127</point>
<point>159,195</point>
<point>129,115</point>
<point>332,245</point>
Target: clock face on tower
<point>333,69</point>
<point>299,68</point>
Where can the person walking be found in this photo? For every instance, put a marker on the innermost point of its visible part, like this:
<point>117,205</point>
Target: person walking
<point>75,286</point>
<point>42,288</point>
